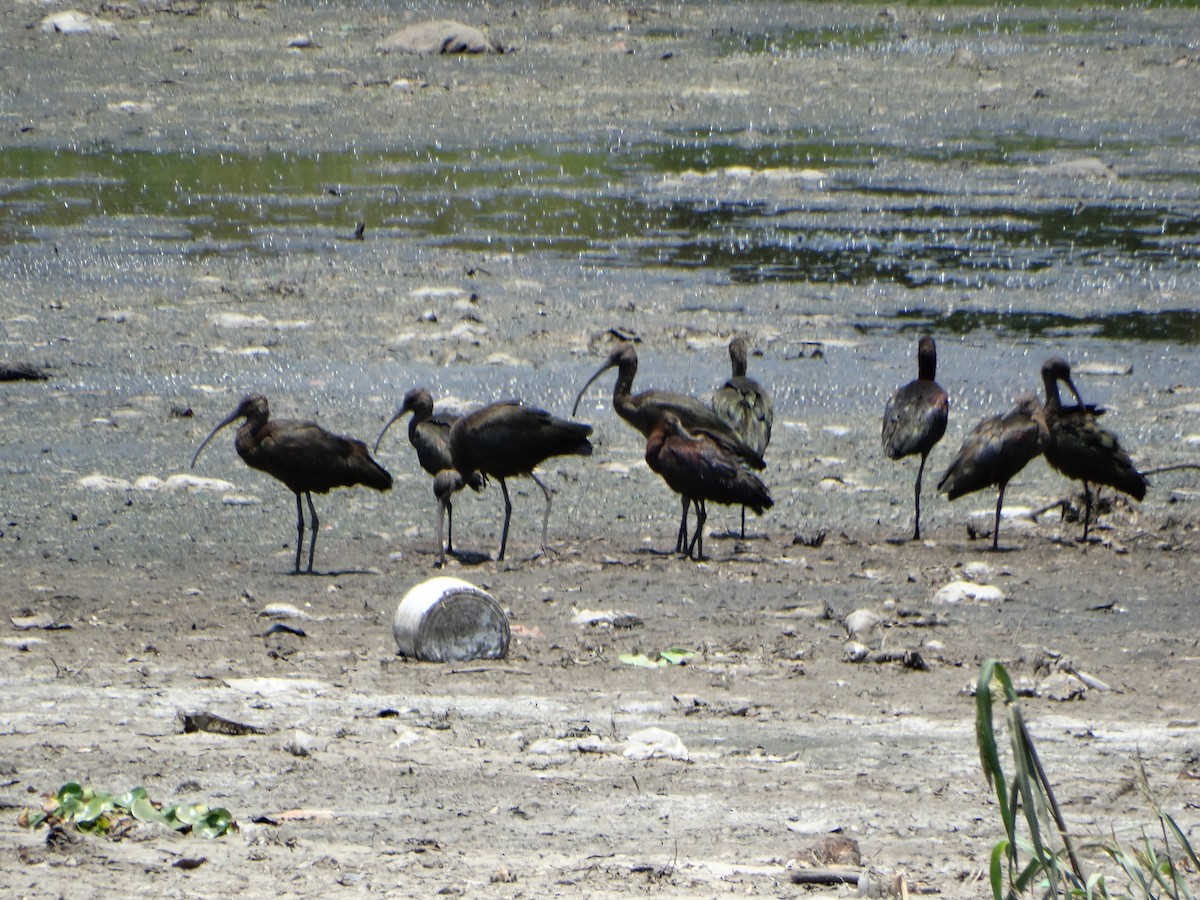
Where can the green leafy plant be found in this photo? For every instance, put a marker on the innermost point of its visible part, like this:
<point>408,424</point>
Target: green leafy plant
<point>97,812</point>
<point>1044,860</point>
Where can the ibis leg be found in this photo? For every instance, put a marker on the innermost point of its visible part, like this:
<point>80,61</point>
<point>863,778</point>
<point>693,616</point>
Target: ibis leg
<point>996,527</point>
<point>696,548</point>
<point>681,539</point>
<point>443,506</point>
<point>299,533</point>
<point>449,529</point>
<point>1087,509</point>
<point>917,499</point>
<point>314,525</point>
<point>546,511</point>
<point>743,523</point>
<point>507,517</point>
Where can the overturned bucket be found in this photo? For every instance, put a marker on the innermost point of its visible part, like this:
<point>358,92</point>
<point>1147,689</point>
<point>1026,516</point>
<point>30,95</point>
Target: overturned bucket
<point>450,620</point>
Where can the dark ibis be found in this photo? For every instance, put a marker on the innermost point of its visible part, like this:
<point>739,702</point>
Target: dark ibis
<point>1079,448</point>
<point>914,419</point>
<point>446,483</point>
<point>304,456</point>
<point>507,439</point>
<point>429,435</point>
<point>997,449</point>
<point>745,406</point>
<point>701,466</point>
<point>644,410</point>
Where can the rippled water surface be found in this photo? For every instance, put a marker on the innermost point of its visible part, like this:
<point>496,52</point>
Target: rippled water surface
<point>971,215</point>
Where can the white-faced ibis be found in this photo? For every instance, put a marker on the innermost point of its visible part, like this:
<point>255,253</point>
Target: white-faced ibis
<point>430,437</point>
<point>1079,448</point>
<point>745,406</point>
<point>997,449</point>
<point>507,439</point>
<point>701,466</point>
<point>914,419</point>
<point>304,456</point>
<point>644,411</point>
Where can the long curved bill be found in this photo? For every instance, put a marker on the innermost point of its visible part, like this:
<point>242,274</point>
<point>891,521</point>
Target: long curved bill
<point>604,368</point>
<point>401,411</point>
<point>232,417</point>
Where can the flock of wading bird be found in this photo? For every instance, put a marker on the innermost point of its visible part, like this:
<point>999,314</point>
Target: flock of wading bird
<point>705,452</point>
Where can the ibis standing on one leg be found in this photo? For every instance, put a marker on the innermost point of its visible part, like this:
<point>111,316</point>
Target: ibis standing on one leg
<point>745,406</point>
<point>914,419</point>
<point>304,456</point>
<point>507,439</point>
<point>702,466</point>
<point>1079,448</point>
<point>430,437</point>
<point>644,410</point>
<point>997,449</point>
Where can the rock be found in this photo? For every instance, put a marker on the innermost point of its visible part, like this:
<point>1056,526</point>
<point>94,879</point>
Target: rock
<point>238,320</point>
<point>655,743</point>
<point>98,482</point>
<point>833,850</point>
<point>977,571</point>
<point>283,611</point>
<point>440,36</point>
<point>1084,167</point>
<point>1062,686</point>
<point>969,591</point>
<point>855,652</point>
<point>71,21</point>
<point>863,624</point>
<point>608,618</point>
<point>299,743</point>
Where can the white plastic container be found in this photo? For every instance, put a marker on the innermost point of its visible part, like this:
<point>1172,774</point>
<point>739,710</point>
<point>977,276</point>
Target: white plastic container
<point>450,620</point>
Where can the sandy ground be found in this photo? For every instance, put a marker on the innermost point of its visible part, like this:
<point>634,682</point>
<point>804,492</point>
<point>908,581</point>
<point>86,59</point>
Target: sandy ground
<point>509,779</point>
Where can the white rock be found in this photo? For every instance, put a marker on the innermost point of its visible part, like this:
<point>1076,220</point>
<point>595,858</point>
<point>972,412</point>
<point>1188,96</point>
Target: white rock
<point>97,482</point>
<point>977,571</point>
<point>405,736</point>
<point>655,743</point>
<point>610,618</point>
<point>299,743</point>
<point>238,320</point>
<point>1062,686</point>
<point>283,611</point>
<point>72,21</point>
<point>186,482</point>
<point>968,591</point>
<point>861,623</point>
<point>855,652</point>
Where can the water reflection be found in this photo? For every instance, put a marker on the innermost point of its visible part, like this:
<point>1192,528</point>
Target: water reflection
<point>1180,326</point>
<point>961,214</point>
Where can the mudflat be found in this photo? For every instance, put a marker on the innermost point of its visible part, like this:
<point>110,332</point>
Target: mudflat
<point>130,601</point>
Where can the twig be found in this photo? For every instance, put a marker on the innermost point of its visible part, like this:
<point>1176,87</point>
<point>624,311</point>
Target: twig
<point>1174,468</point>
<point>825,876</point>
<point>489,669</point>
<point>1057,504</point>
